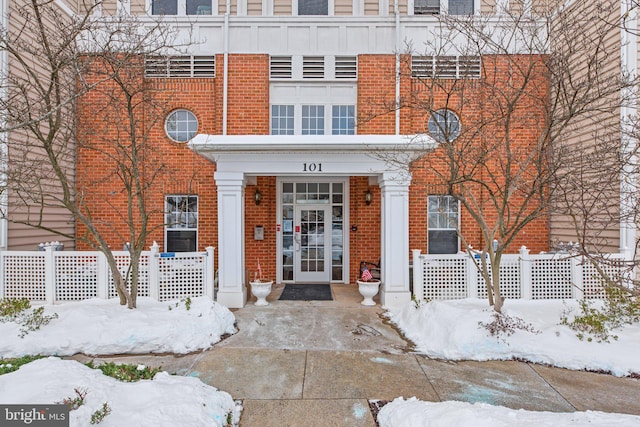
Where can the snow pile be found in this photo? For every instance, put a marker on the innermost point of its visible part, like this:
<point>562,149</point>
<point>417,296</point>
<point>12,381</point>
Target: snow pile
<point>164,401</point>
<point>97,326</point>
<point>415,413</point>
<point>450,330</point>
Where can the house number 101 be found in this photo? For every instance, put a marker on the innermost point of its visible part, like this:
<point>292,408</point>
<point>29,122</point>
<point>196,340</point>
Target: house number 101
<point>312,167</point>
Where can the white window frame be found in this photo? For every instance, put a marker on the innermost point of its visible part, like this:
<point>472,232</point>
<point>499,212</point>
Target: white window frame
<point>330,8</point>
<point>351,121</point>
<point>436,132</point>
<point>182,8</point>
<point>453,228</point>
<point>328,117</point>
<point>173,137</point>
<point>170,227</point>
<point>444,7</point>
<point>293,117</point>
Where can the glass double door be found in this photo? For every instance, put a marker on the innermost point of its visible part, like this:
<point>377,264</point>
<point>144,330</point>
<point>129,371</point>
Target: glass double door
<point>312,236</point>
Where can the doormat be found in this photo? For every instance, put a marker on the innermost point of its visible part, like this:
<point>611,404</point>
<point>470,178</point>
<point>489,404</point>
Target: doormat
<point>306,292</point>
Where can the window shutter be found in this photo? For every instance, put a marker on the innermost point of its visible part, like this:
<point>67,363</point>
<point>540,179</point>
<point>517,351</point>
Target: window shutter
<point>313,67</point>
<point>280,67</point>
<point>446,67</point>
<point>179,66</point>
<point>346,67</point>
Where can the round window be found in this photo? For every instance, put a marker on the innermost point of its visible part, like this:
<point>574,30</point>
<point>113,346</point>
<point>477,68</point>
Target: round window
<point>181,125</point>
<point>444,125</point>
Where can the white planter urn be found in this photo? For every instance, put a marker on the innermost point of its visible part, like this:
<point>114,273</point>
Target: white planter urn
<point>261,289</point>
<point>368,290</point>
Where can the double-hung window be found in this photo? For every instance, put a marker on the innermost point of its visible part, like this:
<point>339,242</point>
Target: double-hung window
<point>324,119</point>
<point>433,7</point>
<point>443,216</point>
<point>181,7</point>
<point>282,117</point>
<point>342,120</point>
<point>313,119</point>
<point>181,223</point>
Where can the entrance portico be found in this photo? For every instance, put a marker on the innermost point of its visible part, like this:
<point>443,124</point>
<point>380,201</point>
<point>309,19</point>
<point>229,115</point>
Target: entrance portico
<point>241,158</point>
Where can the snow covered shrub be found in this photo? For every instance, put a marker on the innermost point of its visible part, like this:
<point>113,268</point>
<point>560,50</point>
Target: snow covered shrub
<point>594,322</point>
<point>19,310</point>
<point>100,414</point>
<point>503,326</point>
<point>74,402</point>
<point>10,365</point>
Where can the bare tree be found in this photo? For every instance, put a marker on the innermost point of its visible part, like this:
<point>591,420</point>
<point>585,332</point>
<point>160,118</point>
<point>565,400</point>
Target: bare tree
<point>59,58</point>
<point>544,74</point>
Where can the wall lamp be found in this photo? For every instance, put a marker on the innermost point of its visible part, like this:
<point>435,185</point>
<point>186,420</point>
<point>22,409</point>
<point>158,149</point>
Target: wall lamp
<point>257,197</point>
<point>368,197</point>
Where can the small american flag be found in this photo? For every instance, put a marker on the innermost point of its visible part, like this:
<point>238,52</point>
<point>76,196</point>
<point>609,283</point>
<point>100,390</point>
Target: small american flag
<point>259,269</point>
<point>366,275</point>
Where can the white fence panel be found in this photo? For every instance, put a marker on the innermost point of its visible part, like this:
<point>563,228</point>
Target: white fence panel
<point>57,276</point>
<point>522,276</point>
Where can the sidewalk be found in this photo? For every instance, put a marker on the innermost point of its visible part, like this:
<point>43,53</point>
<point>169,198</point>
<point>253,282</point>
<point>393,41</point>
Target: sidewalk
<point>318,363</point>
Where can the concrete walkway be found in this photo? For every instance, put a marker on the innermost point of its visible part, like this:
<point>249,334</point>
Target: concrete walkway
<point>318,363</point>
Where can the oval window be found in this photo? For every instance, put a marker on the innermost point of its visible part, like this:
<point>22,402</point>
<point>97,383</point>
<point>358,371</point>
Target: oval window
<point>181,125</point>
<point>444,125</point>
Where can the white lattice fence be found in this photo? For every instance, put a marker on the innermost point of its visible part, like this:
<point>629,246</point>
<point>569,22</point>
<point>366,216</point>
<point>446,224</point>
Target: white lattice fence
<point>522,276</point>
<point>23,276</point>
<point>509,278</point>
<point>76,276</point>
<point>181,276</point>
<point>122,260</point>
<point>551,277</point>
<point>442,278</point>
<point>55,276</point>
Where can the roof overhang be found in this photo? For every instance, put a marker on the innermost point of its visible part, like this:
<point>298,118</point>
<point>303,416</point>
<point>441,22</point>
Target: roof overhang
<point>209,146</point>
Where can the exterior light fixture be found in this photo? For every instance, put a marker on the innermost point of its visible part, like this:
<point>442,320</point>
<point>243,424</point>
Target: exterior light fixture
<point>257,197</point>
<point>368,197</point>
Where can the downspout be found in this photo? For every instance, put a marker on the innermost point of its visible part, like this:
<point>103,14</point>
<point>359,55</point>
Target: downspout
<point>225,71</point>
<point>396,12</point>
<point>4,137</point>
<point>628,178</point>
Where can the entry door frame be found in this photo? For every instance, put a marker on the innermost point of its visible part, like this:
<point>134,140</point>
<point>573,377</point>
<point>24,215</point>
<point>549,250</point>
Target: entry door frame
<point>302,241</point>
<point>345,218</point>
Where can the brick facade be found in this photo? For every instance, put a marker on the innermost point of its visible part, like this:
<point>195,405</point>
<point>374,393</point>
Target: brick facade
<point>180,171</point>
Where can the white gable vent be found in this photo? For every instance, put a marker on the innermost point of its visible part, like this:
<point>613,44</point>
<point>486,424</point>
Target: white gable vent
<point>446,67</point>
<point>179,66</point>
<point>280,67</point>
<point>313,67</point>
<point>346,67</point>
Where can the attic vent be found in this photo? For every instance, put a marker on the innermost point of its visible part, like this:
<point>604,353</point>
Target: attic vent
<point>446,67</point>
<point>313,67</point>
<point>280,67</point>
<point>346,67</point>
<point>179,66</point>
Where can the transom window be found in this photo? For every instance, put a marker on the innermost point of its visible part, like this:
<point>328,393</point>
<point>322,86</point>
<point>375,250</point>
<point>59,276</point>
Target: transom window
<point>443,217</point>
<point>181,223</point>
<point>313,7</point>
<point>343,122</point>
<point>312,120</point>
<point>444,125</point>
<point>181,125</point>
<point>181,7</point>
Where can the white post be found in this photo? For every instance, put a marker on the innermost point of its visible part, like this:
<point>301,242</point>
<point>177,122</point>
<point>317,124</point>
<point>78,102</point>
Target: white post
<point>49,274</point>
<point>154,272</point>
<point>209,276</point>
<point>525,274</point>
<point>577,283</point>
<point>472,276</point>
<point>232,291</point>
<point>102,272</point>
<point>395,239</point>
<point>418,274</point>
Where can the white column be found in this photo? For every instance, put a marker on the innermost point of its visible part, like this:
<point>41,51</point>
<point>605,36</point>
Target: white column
<point>232,291</point>
<point>395,239</point>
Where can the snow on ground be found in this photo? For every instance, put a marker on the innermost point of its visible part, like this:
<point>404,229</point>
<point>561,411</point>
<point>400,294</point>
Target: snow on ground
<point>96,326</point>
<point>167,400</point>
<point>104,327</point>
<point>440,329</point>
<point>415,413</point>
<point>450,330</point>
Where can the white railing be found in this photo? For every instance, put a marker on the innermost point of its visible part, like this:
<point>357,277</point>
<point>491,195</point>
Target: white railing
<point>52,276</point>
<point>522,276</point>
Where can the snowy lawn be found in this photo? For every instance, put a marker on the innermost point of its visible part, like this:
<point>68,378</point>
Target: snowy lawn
<point>104,327</point>
<point>450,330</point>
